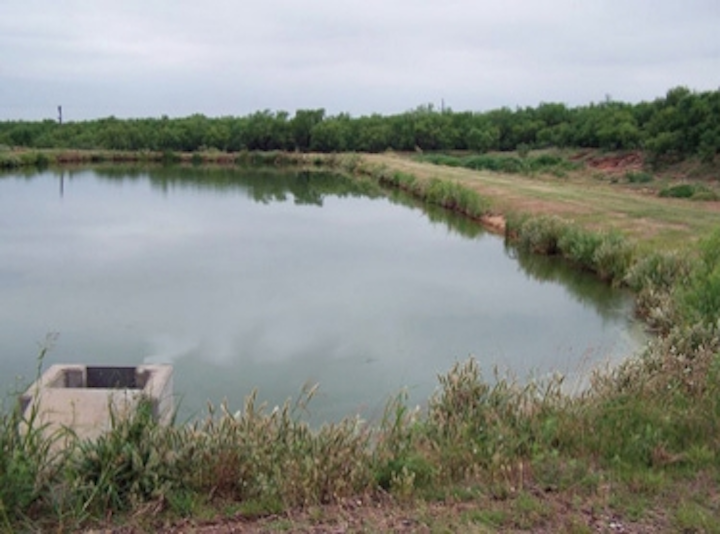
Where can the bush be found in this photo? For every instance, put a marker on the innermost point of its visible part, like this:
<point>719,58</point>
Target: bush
<point>613,257</point>
<point>638,177</point>
<point>541,235</point>
<point>690,191</point>
<point>580,246</point>
<point>704,194</point>
<point>678,191</point>
<point>658,271</point>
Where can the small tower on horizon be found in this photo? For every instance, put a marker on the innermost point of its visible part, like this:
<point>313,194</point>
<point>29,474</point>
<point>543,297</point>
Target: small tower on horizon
<point>59,114</point>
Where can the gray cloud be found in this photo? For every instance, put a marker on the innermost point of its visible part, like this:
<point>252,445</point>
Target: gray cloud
<point>222,57</point>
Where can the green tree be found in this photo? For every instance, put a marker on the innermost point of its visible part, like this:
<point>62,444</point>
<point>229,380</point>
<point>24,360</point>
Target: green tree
<point>302,126</point>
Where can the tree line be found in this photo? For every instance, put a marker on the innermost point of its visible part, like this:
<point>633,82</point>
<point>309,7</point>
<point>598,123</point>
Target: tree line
<point>681,124</point>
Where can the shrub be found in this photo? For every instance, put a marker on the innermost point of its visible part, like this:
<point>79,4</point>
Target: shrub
<point>638,177</point>
<point>678,191</point>
<point>523,150</point>
<point>541,234</point>
<point>658,271</point>
<point>613,257</point>
<point>705,194</point>
<point>580,246</point>
<point>548,160</point>
<point>691,191</point>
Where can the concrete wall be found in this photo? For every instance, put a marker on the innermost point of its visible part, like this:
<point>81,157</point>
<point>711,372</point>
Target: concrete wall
<point>62,399</point>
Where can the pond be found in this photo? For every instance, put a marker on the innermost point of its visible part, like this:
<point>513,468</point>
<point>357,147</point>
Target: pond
<point>279,280</point>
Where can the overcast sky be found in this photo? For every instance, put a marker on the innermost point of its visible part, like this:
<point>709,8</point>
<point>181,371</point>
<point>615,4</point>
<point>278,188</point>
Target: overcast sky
<point>146,58</point>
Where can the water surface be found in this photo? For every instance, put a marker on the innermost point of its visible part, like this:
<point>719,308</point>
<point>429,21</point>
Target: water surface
<point>269,280</point>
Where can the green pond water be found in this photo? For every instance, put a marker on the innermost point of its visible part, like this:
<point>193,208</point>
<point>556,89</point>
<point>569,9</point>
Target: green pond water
<point>258,279</point>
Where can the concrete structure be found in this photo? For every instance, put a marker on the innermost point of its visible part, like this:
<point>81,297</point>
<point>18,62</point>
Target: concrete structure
<point>81,397</point>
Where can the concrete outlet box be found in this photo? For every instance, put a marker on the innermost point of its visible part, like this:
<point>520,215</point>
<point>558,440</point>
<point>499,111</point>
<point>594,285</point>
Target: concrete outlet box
<point>81,397</point>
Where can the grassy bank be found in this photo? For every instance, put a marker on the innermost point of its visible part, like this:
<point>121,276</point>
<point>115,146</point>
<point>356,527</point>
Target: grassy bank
<point>588,198</point>
<point>638,448</point>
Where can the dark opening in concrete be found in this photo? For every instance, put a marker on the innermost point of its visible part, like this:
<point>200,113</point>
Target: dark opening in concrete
<point>113,378</point>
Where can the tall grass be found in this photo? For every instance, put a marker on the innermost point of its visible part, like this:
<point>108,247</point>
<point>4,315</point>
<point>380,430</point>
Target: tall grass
<point>274,458</point>
<point>608,254</point>
<point>134,463</point>
<point>29,460</point>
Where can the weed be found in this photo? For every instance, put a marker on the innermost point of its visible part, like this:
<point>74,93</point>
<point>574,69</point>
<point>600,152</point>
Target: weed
<point>395,456</point>
<point>29,462</point>
<point>131,464</point>
<point>276,456</point>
